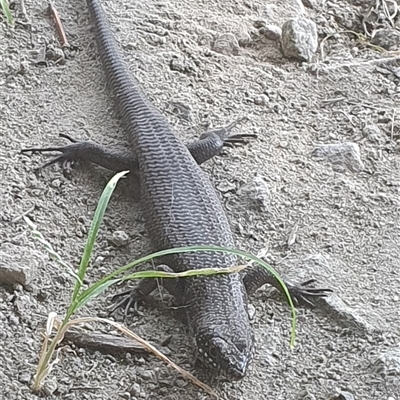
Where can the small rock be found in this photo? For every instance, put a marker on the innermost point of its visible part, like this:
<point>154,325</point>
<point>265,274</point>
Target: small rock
<point>261,100</point>
<point>271,32</point>
<point>136,389</point>
<point>257,194</point>
<point>181,383</point>
<point>50,386</point>
<point>251,310</point>
<point>226,44</point>
<point>373,133</point>
<point>120,238</point>
<point>24,67</point>
<point>347,316</point>
<point>342,395</point>
<point>145,374</point>
<point>226,186</point>
<point>56,183</point>
<point>342,155</point>
<point>396,72</point>
<point>243,37</point>
<point>13,320</point>
<point>24,377</point>
<point>55,54</point>
<point>389,39</point>
<point>99,260</point>
<point>283,144</point>
<point>182,64</point>
<point>260,23</point>
<point>18,264</point>
<point>309,3</point>
<point>388,363</point>
<point>299,38</point>
<point>270,11</point>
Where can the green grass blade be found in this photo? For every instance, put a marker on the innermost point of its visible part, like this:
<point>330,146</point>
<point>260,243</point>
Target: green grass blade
<point>97,289</point>
<point>100,286</point>
<point>94,229</point>
<point>100,289</point>
<point>184,274</point>
<point>6,10</point>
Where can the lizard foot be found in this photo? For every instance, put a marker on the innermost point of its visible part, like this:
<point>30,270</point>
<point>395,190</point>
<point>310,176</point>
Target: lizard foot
<point>238,139</point>
<point>69,153</point>
<point>224,133</point>
<point>125,301</point>
<point>111,158</point>
<point>131,298</point>
<point>304,295</point>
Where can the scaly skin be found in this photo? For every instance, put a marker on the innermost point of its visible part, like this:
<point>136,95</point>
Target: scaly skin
<point>181,209</point>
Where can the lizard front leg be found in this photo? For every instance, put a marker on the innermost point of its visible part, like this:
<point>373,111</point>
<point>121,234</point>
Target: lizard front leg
<point>112,159</point>
<point>209,145</point>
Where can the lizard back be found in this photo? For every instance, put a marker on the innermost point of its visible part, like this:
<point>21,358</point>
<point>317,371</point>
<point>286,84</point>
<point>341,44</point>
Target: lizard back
<point>181,209</point>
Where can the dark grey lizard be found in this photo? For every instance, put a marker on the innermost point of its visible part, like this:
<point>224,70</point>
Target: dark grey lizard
<point>181,209</point>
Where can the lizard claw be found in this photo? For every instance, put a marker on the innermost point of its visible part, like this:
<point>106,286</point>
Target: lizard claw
<point>127,300</point>
<point>238,139</point>
<point>302,294</point>
<point>69,153</point>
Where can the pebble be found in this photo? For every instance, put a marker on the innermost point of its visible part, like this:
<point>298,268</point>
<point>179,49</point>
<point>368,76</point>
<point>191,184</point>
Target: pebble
<point>261,100</point>
<point>343,395</point>
<point>226,186</point>
<point>271,32</point>
<point>256,193</point>
<point>388,363</point>
<point>50,386</point>
<point>389,39</point>
<point>24,377</point>
<point>309,3</point>
<point>120,238</point>
<point>55,54</point>
<point>18,264</point>
<point>343,155</point>
<point>299,38</point>
<point>373,133</point>
<point>226,44</point>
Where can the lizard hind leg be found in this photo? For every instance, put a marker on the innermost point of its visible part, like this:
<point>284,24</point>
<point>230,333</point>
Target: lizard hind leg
<point>302,294</point>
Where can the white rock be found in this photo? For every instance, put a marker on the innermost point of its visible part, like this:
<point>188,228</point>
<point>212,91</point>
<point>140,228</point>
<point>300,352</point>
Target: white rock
<point>299,38</point>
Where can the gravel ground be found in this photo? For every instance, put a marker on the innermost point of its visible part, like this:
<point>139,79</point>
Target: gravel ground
<point>205,64</point>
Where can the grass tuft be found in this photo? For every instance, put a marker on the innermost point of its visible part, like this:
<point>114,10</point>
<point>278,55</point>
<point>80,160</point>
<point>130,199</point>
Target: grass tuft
<point>82,296</point>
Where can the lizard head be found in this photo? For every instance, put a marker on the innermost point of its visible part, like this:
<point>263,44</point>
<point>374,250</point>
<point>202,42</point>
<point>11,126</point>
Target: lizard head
<point>223,356</point>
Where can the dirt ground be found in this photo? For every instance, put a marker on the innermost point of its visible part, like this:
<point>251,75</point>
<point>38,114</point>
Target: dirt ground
<point>317,220</point>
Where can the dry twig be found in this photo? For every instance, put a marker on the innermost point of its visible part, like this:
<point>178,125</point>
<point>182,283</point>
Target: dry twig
<point>59,26</point>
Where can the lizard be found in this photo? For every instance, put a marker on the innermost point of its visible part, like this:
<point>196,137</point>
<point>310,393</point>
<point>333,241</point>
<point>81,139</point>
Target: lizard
<point>181,208</point>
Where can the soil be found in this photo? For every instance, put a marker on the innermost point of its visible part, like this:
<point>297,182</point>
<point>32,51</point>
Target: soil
<point>338,226</point>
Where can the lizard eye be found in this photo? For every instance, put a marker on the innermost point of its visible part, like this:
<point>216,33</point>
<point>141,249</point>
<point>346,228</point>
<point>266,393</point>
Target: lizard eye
<point>213,351</point>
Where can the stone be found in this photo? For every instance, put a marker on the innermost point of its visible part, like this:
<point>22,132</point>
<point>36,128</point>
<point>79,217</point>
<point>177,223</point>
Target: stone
<point>389,39</point>
<point>256,194</point>
<point>226,44</point>
<point>120,238</point>
<point>18,264</point>
<point>299,38</point>
<point>387,364</point>
<point>271,32</point>
<point>343,155</point>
